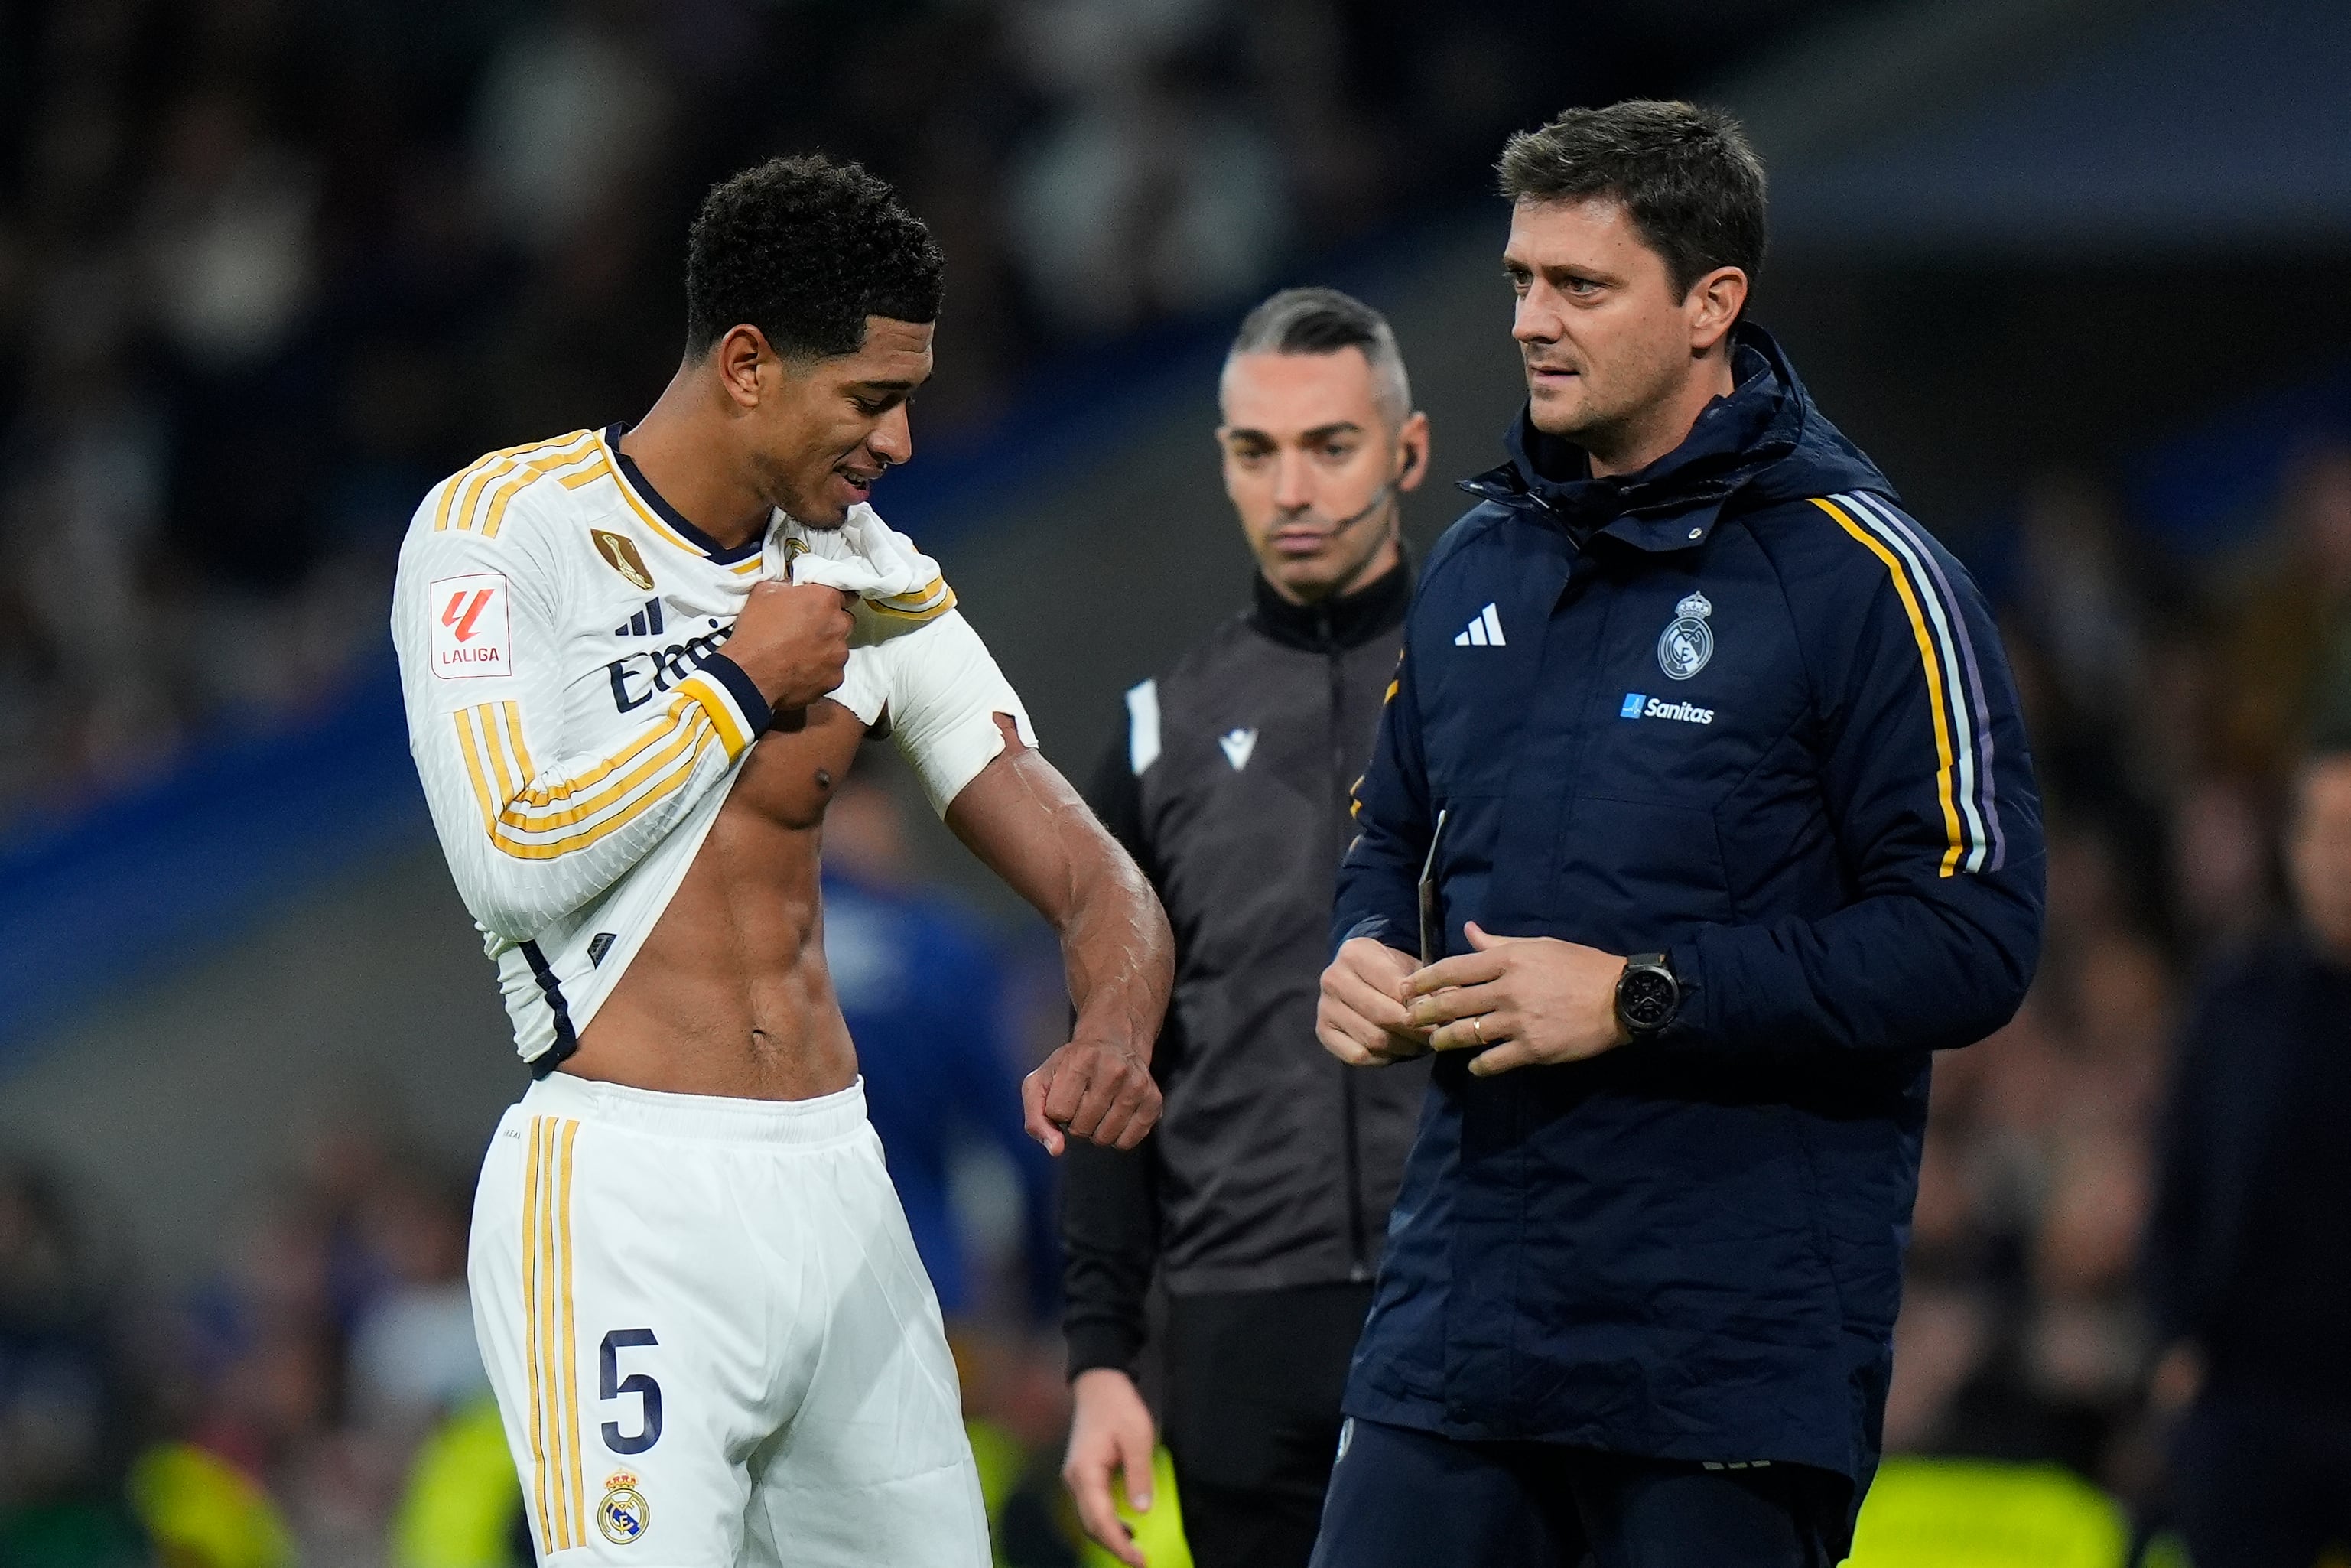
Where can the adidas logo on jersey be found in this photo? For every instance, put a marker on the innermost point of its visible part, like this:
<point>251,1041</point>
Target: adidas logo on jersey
<point>1484,631</point>
<point>645,622</point>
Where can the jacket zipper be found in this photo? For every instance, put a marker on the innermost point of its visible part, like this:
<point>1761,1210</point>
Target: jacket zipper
<point>1359,1267</point>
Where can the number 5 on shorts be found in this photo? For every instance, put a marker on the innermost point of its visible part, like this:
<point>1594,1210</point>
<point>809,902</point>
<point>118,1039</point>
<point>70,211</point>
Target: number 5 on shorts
<point>611,1386</point>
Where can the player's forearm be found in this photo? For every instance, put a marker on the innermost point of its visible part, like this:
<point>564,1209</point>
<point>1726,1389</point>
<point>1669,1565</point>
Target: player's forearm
<point>1022,818</point>
<point>1116,948</point>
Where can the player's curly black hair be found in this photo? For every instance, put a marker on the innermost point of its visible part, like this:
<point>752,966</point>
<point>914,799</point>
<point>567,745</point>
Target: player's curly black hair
<point>805,249</point>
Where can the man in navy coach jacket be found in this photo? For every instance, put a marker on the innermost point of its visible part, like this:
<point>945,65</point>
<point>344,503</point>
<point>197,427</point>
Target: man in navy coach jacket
<point>1711,758</point>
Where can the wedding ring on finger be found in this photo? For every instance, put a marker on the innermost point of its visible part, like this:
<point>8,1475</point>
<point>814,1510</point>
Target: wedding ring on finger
<point>1477,1030</point>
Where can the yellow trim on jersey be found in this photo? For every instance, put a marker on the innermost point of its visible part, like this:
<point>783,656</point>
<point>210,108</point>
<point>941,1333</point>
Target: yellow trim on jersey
<point>508,785</point>
<point>550,1373</point>
<point>529,474</point>
<point>509,716</point>
<point>684,738</point>
<point>499,812</point>
<point>706,691</point>
<point>571,1383</point>
<point>530,1327</point>
<point>651,518</point>
<point>1928,657</point>
<point>498,762</point>
<point>1355,790</point>
<point>929,603</point>
<point>450,485</point>
<point>564,789</point>
<point>477,476</point>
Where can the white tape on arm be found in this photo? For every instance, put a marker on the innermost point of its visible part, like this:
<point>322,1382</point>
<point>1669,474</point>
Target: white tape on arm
<point>945,690</point>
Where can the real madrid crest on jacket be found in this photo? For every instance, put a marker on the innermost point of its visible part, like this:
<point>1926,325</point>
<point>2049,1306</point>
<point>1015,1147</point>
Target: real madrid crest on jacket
<point>1738,709</point>
<point>1684,646</point>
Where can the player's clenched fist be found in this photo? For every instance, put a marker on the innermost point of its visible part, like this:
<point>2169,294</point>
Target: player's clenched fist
<point>1102,1093</point>
<point>1360,1018</point>
<point>792,640</point>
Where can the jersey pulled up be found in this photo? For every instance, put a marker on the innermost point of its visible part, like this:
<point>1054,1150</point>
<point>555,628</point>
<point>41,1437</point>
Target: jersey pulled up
<point>576,727</point>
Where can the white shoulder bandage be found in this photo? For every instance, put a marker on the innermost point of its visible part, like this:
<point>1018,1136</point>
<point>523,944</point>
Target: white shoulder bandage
<point>944,691</point>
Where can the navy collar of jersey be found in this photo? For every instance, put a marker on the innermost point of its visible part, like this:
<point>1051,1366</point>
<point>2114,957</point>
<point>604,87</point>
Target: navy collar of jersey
<point>1763,442</point>
<point>1348,622</point>
<point>635,479</point>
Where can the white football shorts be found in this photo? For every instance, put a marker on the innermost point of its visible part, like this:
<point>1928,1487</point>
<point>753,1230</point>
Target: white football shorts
<point>711,1338</point>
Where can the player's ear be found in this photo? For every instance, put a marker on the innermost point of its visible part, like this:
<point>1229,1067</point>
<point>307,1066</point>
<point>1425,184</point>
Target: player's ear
<point>1412,443</point>
<point>737,358</point>
<point>1714,302</point>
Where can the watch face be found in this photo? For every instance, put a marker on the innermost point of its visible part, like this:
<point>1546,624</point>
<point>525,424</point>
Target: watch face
<point>1647,999</point>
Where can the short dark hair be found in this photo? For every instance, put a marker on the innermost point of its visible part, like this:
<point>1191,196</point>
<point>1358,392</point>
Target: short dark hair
<point>1694,187</point>
<point>1325,321</point>
<point>805,249</point>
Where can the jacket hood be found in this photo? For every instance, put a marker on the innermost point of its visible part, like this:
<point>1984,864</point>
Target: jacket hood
<point>1766,442</point>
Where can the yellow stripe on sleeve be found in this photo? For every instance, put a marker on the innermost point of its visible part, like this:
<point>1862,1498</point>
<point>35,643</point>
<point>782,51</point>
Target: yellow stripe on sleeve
<point>494,745</point>
<point>609,825</point>
<point>684,740</point>
<point>508,805</point>
<point>488,470</point>
<point>457,480</point>
<point>712,698</point>
<point>927,603</point>
<point>483,794</point>
<point>494,515</point>
<point>503,805</point>
<point>548,794</point>
<point>512,713</point>
<point>1928,657</point>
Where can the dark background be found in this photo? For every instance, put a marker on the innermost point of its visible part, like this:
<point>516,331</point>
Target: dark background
<point>2070,269</point>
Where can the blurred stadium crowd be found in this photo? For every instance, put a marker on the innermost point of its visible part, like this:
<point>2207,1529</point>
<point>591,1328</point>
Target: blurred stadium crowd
<point>2167,703</point>
<point>268,270</point>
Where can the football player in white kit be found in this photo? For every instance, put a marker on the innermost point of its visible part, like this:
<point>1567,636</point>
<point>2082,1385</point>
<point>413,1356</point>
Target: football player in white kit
<point>637,662</point>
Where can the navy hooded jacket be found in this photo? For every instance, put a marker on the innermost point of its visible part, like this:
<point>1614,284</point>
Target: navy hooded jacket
<point>1738,708</point>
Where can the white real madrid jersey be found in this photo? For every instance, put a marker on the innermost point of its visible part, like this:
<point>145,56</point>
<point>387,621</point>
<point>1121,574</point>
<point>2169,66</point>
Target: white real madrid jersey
<point>576,726</point>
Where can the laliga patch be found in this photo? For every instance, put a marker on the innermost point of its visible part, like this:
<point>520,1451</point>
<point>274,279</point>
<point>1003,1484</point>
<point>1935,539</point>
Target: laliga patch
<point>624,1515</point>
<point>470,638</point>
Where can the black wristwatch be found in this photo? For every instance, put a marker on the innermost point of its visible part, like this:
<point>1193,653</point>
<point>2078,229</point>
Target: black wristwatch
<point>1647,995</point>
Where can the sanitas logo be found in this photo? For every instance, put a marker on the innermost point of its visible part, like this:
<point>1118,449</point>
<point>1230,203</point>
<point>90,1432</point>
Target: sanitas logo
<point>1637,706</point>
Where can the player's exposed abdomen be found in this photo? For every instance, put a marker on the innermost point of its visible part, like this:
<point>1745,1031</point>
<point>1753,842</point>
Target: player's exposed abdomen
<point>730,995</point>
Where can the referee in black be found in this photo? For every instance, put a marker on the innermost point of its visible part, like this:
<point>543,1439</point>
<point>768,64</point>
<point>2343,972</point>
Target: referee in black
<point>1261,1197</point>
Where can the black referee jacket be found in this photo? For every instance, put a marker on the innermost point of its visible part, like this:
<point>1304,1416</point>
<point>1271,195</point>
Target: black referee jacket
<point>1273,1166</point>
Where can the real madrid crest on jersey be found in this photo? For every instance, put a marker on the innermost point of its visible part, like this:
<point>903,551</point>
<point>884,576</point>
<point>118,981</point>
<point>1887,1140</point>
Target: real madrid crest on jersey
<point>623,1516</point>
<point>1684,646</point>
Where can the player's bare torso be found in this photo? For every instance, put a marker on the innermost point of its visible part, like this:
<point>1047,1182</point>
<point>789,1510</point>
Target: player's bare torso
<point>730,994</point>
